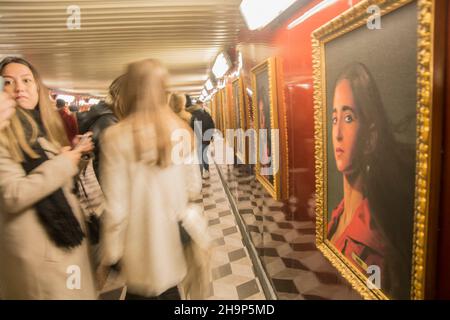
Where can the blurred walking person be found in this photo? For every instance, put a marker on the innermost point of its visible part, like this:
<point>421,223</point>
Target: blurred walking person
<point>201,122</point>
<point>177,103</point>
<point>147,193</point>
<point>101,116</point>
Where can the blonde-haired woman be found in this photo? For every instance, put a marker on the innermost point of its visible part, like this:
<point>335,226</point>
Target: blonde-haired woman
<point>148,192</point>
<point>43,249</point>
<point>177,102</point>
<point>115,96</point>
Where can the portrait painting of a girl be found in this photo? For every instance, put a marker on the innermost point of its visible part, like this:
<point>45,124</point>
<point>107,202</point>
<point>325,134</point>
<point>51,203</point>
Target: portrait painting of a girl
<point>372,224</point>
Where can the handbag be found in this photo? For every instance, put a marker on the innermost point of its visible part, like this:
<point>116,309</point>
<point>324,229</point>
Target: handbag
<point>185,237</point>
<point>91,201</point>
<point>93,226</point>
<point>196,283</point>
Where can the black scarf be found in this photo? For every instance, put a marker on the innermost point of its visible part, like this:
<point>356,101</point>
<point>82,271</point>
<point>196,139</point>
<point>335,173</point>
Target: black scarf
<point>54,211</point>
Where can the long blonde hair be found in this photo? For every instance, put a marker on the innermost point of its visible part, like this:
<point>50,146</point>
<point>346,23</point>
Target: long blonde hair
<point>14,137</point>
<point>145,106</point>
<point>177,103</point>
<point>115,96</point>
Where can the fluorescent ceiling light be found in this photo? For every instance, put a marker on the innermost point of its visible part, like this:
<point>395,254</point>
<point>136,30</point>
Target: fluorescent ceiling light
<point>221,66</point>
<point>204,92</point>
<point>209,86</point>
<point>322,5</point>
<point>258,13</point>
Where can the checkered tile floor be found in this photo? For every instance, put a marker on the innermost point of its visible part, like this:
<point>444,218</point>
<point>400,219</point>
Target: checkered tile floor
<point>232,272</point>
<point>286,247</point>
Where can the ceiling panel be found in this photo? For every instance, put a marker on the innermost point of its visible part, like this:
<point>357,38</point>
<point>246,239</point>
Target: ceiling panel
<point>185,35</point>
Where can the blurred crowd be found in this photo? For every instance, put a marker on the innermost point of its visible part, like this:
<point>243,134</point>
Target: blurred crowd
<point>87,194</point>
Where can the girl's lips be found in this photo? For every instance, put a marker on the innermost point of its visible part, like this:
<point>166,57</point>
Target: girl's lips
<point>339,150</point>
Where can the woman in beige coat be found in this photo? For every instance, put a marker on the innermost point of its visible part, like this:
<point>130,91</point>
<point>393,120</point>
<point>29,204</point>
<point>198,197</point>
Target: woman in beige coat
<point>148,190</point>
<point>43,249</point>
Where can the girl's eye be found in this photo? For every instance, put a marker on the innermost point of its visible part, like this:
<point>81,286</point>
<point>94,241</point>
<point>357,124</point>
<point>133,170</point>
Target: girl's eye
<point>334,120</point>
<point>8,82</point>
<point>27,80</point>
<point>348,119</point>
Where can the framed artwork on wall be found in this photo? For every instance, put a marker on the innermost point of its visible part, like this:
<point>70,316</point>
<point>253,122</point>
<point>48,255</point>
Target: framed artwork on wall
<point>213,106</point>
<point>209,108</point>
<point>271,161</point>
<point>217,110</point>
<point>221,111</point>
<point>225,109</point>
<point>248,109</point>
<point>239,118</point>
<point>373,138</point>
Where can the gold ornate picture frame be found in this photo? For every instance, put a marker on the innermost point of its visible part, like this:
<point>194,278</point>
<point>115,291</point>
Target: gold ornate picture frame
<point>239,118</point>
<point>221,110</point>
<point>216,106</point>
<point>324,40</point>
<point>213,106</point>
<point>226,109</point>
<point>265,97</point>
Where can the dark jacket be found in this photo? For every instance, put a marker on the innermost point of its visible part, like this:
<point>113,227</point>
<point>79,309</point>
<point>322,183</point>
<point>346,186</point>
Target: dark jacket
<point>200,115</point>
<point>96,120</point>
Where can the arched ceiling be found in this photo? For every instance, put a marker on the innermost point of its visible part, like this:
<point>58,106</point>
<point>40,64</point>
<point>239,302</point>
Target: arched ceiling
<point>185,35</point>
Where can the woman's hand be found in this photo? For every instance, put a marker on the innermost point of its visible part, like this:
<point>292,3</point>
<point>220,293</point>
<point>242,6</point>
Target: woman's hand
<point>83,142</point>
<point>7,109</point>
<point>73,154</point>
<point>83,145</point>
